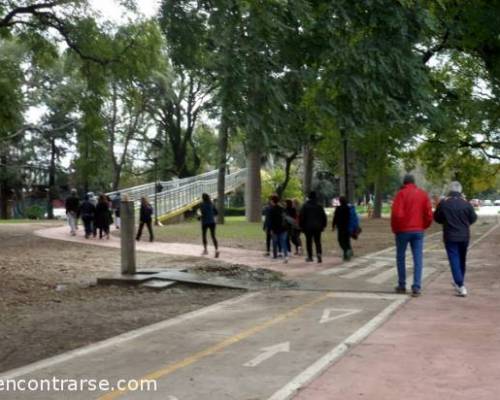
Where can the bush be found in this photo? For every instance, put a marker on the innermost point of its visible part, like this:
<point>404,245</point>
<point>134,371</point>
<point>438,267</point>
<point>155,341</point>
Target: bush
<point>234,211</point>
<point>35,212</point>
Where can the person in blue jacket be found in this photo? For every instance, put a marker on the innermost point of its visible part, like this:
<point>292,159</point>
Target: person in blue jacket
<point>456,215</point>
<point>208,213</point>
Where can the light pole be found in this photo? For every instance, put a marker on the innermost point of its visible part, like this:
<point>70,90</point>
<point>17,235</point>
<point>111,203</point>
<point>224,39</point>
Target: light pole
<point>343,135</point>
<point>156,190</point>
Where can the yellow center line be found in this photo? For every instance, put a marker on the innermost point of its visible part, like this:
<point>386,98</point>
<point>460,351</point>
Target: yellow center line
<point>167,370</point>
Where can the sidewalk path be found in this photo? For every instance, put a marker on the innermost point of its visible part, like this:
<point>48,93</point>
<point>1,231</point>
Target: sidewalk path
<point>436,347</point>
<point>295,267</point>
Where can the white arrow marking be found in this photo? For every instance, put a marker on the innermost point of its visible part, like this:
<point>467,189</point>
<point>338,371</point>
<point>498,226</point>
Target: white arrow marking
<point>268,352</point>
<point>328,317</point>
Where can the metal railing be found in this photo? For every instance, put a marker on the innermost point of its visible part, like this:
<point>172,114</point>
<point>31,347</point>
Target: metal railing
<point>169,201</point>
<point>148,189</point>
<point>180,193</point>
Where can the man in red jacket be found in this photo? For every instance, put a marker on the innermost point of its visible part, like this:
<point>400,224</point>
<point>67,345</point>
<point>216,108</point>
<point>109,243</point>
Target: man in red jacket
<point>411,215</point>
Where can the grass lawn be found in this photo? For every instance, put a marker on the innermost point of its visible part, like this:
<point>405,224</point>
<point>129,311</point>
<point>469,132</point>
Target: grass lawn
<point>236,232</point>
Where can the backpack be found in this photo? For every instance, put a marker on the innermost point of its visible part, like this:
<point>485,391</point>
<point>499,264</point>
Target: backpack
<point>354,228</point>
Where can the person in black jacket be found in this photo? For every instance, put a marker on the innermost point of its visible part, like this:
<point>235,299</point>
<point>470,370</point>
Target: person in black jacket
<point>102,218</point>
<point>278,228</point>
<point>341,219</point>
<point>207,218</point>
<point>312,222</point>
<point>87,213</point>
<point>145,217</point>
<point>456,214</point>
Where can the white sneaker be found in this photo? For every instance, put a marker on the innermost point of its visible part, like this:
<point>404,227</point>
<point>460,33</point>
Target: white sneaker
<point>285,261</point>
<point>462,291</point>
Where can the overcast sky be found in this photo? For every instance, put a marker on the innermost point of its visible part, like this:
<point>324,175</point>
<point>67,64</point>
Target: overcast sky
<point>110,9</point>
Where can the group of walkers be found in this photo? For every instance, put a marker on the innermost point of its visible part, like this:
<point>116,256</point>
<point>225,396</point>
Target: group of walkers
<point>412,214</point>
<point>95,213</point>
<point>98,214</point>
<point>284,224</point>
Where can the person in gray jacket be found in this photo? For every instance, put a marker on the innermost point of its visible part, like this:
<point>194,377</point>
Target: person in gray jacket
<point>456,215</point>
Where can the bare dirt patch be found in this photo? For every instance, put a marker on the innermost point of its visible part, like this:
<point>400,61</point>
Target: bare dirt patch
<point>49,302</point>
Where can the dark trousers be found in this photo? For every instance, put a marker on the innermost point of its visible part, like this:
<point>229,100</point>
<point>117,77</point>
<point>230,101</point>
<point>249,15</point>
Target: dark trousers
<point>457,254</point>
<point>87,223</point>
<point>150,229</point>
<point>204,228</point>
<point>344,239</point>
<point>269,239</point>
<point>310,236</point>
<point>105,229</point>
<point>294,238</point>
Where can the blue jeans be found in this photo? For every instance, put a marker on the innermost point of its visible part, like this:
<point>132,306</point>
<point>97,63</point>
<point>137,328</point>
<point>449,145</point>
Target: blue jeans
<point>457,253</point>
<point>280,240</point>
<point>416,240</point>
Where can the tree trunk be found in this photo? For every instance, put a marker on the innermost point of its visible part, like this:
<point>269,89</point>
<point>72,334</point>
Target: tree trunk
<point>288,166</point>
<point>253,187</point>
<point>221,177</point>
<point>377,205</point>
<point>52,179</point>
<point>308,169</point>
<point>4,188</point>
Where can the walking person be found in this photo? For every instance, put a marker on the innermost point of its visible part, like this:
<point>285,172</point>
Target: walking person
<point>115,206</point>
<point>208,214</point>
<point>145,218</point>
<point>411,215</point>
<point>456,215</point>
<point>312,221</point>
<point>87,213</point>
<point>342,221</point>
<point>102,218</point>
<point>292,217</point>
<point>278,228</point>
<point>267,229</point>
<point>72,211</point>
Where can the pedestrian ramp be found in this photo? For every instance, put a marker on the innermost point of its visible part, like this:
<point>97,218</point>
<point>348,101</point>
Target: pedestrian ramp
<point>173,198</point>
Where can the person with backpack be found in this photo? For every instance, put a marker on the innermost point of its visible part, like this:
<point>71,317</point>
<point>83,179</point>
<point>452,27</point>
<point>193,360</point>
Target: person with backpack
<point>145,218</point>
<point>87,213</point>
<point>456,215</point>
<point>278,228</point>
<point>313,221</point>
<point>342,221</point>
<point>208,214</point>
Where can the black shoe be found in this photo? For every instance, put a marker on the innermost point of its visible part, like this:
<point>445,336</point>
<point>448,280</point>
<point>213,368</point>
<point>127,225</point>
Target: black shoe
<point>320,260</point>
<point>400,290</point>
<point>309,259</point>
<point>415,292</point>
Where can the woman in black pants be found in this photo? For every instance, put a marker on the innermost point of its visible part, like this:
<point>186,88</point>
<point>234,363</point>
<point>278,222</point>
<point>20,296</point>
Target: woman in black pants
<point>102,216</point>
<point>145,217</point>
<point>341,220</point>
<point>208,213</point>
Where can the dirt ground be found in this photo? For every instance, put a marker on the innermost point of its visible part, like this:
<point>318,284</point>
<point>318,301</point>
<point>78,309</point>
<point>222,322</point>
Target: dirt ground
<point>49,302</point>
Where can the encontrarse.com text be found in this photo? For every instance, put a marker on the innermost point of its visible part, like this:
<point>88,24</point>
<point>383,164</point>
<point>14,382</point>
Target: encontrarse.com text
<point>55,384</point>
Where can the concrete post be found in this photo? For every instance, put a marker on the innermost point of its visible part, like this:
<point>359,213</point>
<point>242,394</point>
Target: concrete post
<point>127,233</point>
